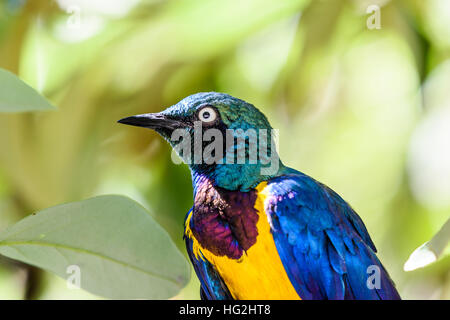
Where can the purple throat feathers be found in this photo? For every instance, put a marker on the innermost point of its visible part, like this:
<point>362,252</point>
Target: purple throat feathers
<point>224,221</point>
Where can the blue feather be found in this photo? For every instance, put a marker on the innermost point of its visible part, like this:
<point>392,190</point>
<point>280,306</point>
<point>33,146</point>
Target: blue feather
<point>323,244</point>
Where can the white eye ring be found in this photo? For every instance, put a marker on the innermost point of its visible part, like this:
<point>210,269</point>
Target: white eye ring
<point>207,114</point>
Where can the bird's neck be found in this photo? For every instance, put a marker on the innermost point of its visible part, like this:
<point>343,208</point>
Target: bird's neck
<point>236,177</point>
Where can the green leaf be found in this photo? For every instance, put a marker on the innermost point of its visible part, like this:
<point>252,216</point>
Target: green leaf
<point>121,252</point>
<point>17,96</point>
<point>430,251</point>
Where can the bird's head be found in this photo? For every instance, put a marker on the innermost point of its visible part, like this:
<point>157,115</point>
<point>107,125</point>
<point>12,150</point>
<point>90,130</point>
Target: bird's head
<point>221,137</point>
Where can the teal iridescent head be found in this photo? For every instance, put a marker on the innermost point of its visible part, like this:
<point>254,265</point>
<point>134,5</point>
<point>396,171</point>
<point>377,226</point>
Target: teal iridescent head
<point>222,138</point>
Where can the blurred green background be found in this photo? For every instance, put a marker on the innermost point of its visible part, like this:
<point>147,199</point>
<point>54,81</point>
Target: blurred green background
<point>366,111</point>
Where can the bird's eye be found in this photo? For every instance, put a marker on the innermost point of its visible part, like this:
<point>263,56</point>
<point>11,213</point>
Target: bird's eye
<point>207,114</point>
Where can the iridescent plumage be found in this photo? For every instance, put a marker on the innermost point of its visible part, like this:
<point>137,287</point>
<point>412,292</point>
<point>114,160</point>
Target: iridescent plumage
<point>268,236</point>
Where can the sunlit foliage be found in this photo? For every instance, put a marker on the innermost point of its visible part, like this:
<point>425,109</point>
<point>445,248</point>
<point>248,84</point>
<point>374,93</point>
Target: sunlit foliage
<point>364,110</point>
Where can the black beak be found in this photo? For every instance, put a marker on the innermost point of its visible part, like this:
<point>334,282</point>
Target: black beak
<point>152,121</point>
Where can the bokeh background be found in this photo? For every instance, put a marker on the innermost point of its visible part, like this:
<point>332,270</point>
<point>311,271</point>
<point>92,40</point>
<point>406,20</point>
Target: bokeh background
<point>366,111</point>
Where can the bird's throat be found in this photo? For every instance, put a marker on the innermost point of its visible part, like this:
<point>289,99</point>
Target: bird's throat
<point>224,221</point>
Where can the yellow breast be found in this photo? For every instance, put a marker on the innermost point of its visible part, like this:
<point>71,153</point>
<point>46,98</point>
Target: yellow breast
<point>259,274</point>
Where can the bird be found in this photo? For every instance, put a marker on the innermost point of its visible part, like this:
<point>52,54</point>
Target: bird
<point>260,233</point>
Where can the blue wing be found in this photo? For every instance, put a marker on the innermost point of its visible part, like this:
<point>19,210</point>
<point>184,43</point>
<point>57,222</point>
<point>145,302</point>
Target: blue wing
<point>323,244</point>
<point>212,285</point>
